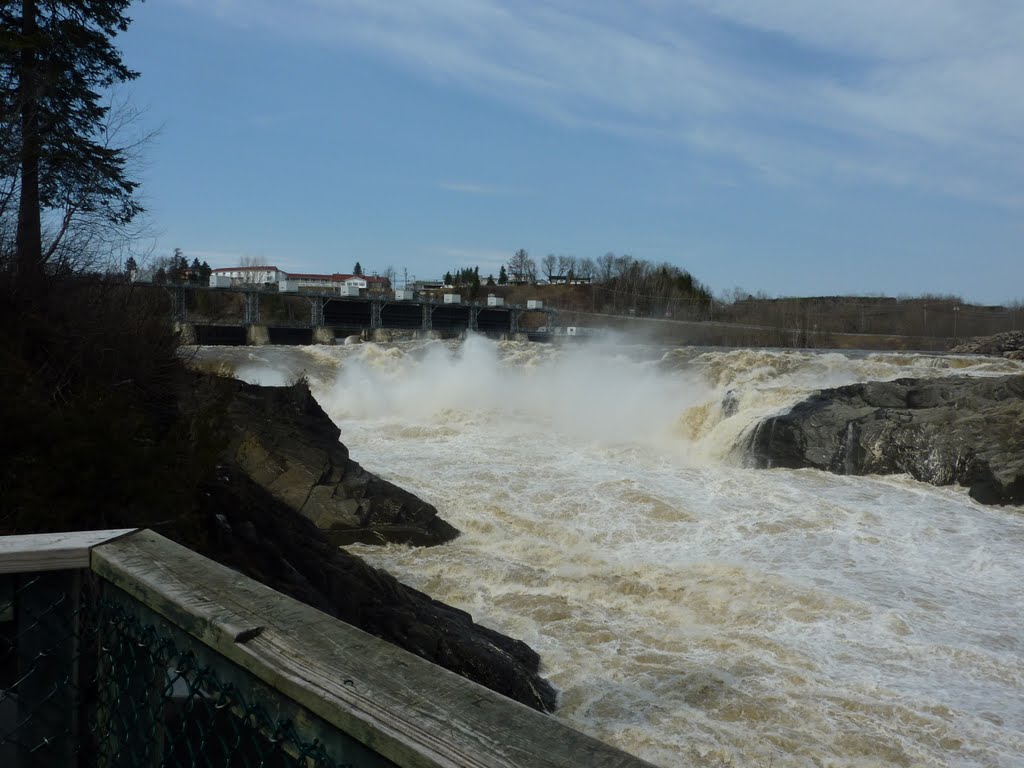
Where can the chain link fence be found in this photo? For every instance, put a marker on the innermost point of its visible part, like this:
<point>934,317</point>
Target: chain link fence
<point>87,678</point>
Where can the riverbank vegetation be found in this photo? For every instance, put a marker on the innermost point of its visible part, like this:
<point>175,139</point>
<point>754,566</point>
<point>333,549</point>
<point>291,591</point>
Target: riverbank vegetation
<point>851,322</point>
<point>97,431</point>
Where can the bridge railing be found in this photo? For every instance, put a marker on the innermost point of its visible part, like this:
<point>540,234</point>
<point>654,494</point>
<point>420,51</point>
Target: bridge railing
<point>121,648</point>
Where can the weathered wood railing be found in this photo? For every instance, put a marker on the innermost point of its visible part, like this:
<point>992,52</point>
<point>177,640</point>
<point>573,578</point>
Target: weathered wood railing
<point>358,700</point>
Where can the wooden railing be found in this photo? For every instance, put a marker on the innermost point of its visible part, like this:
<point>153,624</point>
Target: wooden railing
<point>360,699</point>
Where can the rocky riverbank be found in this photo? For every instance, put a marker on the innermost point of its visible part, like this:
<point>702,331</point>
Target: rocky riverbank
<point>1009,345</point>
<point>105,426</point>
<point>961,430</point>
<point>282,439</point>
<point>284,495</point>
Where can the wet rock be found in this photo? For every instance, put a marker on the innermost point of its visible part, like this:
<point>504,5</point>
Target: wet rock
<point>282,439</point>
<point>730,404</point>
<point>942,431</point>
<point>286,494</point>
<point>1009,344</point>
<point>256,533</point>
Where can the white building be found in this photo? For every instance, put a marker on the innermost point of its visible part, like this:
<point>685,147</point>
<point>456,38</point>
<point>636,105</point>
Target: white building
<point>262,275</point>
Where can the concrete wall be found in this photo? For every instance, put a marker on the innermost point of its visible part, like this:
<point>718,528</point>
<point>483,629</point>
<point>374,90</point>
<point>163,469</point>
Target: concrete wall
<point>257,335</point>
<point>322,335</point>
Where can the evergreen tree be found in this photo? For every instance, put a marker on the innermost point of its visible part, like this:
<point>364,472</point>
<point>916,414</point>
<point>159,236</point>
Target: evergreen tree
<point>448,278</point>
<point>205,270</point>
<point>357,269</point>
<point>176,270</point>
<point>502,276</point>
<point>490,281</point>
<point>131,268</point>
<point>56,59</point>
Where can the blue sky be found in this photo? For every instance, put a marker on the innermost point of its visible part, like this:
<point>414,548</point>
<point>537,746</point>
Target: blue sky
<point>797,147</point>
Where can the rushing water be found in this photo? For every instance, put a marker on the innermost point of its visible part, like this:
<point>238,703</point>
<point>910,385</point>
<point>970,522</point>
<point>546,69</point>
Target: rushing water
<point>690,610</point>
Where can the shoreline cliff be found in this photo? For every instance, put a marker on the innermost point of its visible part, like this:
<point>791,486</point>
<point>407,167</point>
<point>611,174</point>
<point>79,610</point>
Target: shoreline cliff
<point>286,494</point>
<point>956,430</point>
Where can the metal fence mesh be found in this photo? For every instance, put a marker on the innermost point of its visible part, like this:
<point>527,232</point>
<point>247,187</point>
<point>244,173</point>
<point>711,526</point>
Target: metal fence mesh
<point>83,682</point>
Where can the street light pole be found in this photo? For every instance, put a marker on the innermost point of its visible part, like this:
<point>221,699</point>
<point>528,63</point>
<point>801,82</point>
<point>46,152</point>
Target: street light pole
<point>956,314</point>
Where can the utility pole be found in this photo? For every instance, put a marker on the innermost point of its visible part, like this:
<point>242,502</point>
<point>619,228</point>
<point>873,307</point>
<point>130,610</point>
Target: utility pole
<point>956,313</point>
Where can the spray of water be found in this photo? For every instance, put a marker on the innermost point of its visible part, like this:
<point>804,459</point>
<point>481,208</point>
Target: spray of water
<point>690,610</point>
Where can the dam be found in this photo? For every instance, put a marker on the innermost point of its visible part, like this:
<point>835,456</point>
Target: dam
<point>242,315</point>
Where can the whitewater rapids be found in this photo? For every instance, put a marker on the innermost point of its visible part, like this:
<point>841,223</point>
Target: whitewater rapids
<point>691,610</point>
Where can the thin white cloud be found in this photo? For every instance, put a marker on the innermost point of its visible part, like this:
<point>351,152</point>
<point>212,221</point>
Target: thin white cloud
<point>926,90</point>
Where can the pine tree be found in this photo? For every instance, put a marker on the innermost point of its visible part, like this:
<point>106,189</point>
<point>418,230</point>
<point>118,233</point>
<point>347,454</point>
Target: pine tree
<point>131,268</point>
<point>358,269</point>
<point>56,58</point>
<point>502,276</point>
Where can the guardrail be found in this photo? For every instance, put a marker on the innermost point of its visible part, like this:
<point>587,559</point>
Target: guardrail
<point>122,648</point>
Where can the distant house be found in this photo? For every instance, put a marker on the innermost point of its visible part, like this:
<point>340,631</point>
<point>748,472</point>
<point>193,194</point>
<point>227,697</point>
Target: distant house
<point>307,281</point>
<point>303,281</point>
<point>569,279</point>
<point>262,275</point>
<point>376,284</point>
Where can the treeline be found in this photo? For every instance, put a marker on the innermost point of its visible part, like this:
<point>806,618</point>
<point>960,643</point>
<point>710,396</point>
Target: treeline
<point>467,281</point>
<point>620,284</point>
<point>641,288</point>
<point>926,316</point>
<point>176,270</point>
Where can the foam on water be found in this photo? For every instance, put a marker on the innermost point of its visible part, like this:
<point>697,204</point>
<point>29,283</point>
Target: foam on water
<point>692,611</point>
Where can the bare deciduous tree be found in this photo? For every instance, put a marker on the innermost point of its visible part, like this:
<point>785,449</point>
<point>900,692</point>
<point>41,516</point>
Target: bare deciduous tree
<point>548,266</point>
<point>567,265</point>
<point>521,268</point>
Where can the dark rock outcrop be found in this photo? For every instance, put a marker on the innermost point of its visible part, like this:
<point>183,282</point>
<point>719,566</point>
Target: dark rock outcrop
<point>253,532</point>
<point>282,439</point>
<point>951,430</point>
<point>283,477</point>
<point>1009,345</point>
